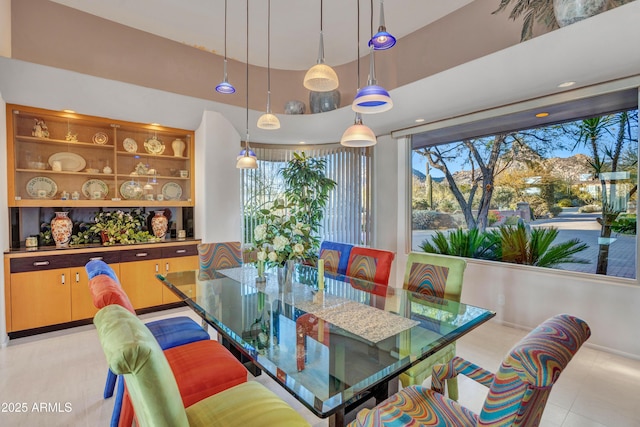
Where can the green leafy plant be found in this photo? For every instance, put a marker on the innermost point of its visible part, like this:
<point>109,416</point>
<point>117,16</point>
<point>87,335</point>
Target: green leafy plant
<point>625,224</point>
<point>307,192</point>
<point>119,227</point>
<point>520,246</point>
<point>466,243</point>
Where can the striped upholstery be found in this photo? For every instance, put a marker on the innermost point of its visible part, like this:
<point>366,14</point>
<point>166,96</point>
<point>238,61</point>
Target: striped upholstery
<point>517,394</point>
<point>369,264</point>
<point>335,256</point>
<point>219,255</point>
<point>132,351</point>
<point>438,276</point>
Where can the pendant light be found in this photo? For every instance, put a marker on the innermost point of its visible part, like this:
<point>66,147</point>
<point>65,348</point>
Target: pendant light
<point>224,86</point>
<point>358,135</point>
<point>247,158</point>
<point>382,40</point>
<point>267,120</point>
<point>321,77</point>
<point>372,98</point>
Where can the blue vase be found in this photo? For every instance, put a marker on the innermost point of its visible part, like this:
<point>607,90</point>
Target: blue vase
<point>319,102</point>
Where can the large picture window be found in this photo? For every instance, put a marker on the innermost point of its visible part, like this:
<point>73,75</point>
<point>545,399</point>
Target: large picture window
<point>347,214</point>
<point>562,195</point>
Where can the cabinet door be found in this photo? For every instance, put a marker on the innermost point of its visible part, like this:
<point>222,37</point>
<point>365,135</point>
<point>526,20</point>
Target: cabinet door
<point>81,302</point>
<point>40,298</point>
<point>139,281</point>
<point>179,264</point>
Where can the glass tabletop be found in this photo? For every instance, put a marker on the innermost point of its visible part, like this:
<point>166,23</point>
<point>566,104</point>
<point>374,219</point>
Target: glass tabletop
<point>327,347</point>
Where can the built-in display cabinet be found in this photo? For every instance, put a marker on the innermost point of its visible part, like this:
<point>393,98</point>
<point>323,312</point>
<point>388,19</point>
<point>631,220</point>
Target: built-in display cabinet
<point>64,161</point>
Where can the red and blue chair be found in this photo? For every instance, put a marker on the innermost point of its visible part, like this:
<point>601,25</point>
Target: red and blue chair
<point>335,256</point>
<point>518,391</point>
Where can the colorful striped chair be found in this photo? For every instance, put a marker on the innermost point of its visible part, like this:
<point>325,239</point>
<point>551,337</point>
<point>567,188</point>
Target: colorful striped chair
<point>518,392</point>
<point>202,368</point>
<point>215,256</point>
<point>437,276</point>
<point>335,256</point>
<point>133,352</point>
<point>373,265</point>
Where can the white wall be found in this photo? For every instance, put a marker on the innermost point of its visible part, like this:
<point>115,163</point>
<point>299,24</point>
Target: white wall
<point>5,28</point>
<point>525,296</point>
<point>4,218</point>
<point>218,205</point>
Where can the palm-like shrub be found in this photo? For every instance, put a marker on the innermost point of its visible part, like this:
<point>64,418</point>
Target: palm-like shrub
<point>519,246</point>
<point>465,243</point>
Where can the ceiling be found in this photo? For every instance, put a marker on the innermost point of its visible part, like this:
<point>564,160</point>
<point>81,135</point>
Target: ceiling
<point>521,72</point>
<point>200,23</point>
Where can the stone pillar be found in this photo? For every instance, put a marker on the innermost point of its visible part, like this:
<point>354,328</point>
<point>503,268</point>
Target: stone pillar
<point>524,211</point>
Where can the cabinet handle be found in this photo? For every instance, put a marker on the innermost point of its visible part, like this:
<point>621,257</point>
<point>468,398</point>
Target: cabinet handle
<point>63,279</point>
<point>40,263</point>
<point>141,254</point>
<point>77,277</point>
<point>166,267</point>
<point>181,251</point>
<point>96,258</point>
<point>157,268</point>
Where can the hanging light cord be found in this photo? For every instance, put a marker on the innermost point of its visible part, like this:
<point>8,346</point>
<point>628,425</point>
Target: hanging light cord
<point>247,77</point>
<point>269,57</point>
<point>225,30</point>
<point>358,46</point>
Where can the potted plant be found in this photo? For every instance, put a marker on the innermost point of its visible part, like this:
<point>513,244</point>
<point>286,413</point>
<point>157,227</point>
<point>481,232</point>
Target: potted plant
<point>554,13</point>
<point>119,227</point>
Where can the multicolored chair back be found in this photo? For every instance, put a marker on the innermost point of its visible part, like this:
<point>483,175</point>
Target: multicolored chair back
<point>435,275</point>
<point>220,255</point>
<point>369,264</point>
<point>521,386</point>
<point>335,256</point>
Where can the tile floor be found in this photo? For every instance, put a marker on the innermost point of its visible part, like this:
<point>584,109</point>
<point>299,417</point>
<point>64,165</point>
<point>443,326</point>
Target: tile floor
<point>58,379</point>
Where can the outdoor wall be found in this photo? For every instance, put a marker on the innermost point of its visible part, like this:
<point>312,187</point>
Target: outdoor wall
<point>525,296</point>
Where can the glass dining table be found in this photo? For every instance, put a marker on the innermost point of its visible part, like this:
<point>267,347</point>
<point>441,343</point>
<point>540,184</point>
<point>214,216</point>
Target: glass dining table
<point>335,346</point>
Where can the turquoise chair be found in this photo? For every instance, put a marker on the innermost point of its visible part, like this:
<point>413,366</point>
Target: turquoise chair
<point>438,276</point>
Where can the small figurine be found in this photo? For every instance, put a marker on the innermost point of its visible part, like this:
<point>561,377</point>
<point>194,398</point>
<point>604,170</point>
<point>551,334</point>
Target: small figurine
<point>71,137</point>
<point>40,129</point>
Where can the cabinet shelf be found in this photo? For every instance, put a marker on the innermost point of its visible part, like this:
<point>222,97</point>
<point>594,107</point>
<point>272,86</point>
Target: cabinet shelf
<point>31,153</point>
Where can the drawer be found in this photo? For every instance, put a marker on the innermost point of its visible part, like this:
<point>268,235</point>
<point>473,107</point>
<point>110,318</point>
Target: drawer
<point>49,262</point>
<point>178,251</point>
<point>140,254</point>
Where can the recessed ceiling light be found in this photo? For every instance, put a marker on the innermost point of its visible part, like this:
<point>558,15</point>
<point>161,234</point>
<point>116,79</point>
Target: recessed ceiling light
<point>68,111</point>
<point>419,120</point>
<point>301,142</point>
<point>542,114</point>
<point>154,124</point>
<point>566,84</point>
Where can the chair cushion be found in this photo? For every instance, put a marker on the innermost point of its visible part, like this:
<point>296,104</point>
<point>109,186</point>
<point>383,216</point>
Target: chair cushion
<point>107,291</point>
<point>96,267</point>
<point>416,406</point>
<point>220,255</point>
<point>175,331</point>
<point>201,369</point>
<point>245,405</point>
<point>370,264</point>
<point>342,250</point>
<point>428,279</point>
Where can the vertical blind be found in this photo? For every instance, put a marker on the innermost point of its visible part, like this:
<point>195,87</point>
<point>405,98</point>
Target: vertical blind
<point>347,216</point>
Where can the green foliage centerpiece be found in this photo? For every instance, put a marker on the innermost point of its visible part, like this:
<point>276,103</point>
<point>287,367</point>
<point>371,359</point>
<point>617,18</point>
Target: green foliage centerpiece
<point>116,227</point>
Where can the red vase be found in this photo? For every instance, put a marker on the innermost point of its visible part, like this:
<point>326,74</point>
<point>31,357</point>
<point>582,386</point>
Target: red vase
<point>159,224</point>
<point>61,228</point>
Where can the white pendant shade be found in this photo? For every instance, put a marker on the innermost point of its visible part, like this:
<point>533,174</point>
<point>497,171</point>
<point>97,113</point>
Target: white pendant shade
<point>247,162</point>
<point>268,121</point>
<point>358,135</point>
<point>321,78</point>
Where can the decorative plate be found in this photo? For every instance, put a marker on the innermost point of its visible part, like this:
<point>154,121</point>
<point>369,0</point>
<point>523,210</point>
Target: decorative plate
<point>42,183</point>
<point>70,162</point>
<point>154,146</point>
<point>141,169</point>
<point>130,145</point>
<point>94,185</point>
<point>100,138</point>
<point>172,191</point>
<point>131,190</point>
